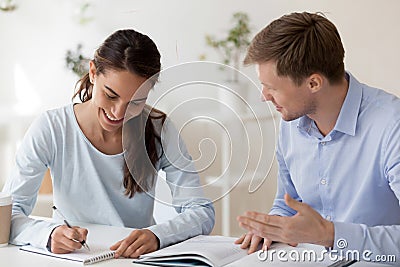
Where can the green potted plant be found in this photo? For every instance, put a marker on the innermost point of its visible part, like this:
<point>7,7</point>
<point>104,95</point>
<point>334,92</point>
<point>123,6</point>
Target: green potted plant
<point>231,47</point>
<point>7,5</point>
<point>76,61</point>
<point>84,13</point>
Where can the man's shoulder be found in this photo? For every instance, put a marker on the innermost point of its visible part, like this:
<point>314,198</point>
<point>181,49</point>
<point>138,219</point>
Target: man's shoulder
<point>379,104</point>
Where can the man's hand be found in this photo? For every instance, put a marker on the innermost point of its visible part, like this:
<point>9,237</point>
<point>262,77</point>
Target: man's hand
<point>307,226</point>
<point>252,242</point>
<point>139,242</point>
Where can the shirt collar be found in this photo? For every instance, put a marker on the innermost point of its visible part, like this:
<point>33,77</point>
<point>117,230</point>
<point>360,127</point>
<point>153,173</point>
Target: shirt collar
<point>347,120</point>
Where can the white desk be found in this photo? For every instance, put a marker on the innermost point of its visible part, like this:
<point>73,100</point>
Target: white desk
<point>11,256</point>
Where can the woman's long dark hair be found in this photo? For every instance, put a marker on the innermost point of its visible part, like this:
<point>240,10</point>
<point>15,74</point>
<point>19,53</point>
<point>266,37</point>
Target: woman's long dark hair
<point>137,53</point>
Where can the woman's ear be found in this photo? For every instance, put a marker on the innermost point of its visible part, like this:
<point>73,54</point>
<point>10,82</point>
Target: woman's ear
<point>92,71</point>
<point>315,82</point>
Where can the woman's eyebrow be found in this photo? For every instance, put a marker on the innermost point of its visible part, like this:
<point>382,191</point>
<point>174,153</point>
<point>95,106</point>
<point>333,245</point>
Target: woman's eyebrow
<point>111,90</point>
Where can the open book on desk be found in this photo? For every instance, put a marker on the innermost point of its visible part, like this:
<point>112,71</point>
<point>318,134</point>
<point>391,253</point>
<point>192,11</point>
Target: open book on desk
<point>197,251</point>
<point>284,255</point>
<point>100,239</point>
<point>218,251</point>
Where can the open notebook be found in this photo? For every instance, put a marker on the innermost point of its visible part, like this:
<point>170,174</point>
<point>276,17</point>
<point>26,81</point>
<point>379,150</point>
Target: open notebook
<point>96,254</point>
<point>217,251</point>
<point>100,238</point>
<point>197,251</point>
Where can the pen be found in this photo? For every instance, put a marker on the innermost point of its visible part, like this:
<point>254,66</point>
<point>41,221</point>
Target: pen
<point>343,263</point>
<point>69,226</point>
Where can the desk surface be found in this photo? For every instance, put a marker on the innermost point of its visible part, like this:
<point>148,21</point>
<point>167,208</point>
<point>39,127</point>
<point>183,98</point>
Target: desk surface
<point>11,256</point>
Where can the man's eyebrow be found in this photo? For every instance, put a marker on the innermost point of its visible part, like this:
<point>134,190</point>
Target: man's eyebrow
<point>266,84</point>
<point>111,90</point>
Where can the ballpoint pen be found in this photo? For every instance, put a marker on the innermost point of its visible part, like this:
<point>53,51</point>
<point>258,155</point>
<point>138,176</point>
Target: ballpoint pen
<point>69,226</point>
<point>343,263</point>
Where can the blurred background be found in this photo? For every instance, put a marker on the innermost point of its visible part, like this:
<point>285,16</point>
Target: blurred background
<point>35,37</point>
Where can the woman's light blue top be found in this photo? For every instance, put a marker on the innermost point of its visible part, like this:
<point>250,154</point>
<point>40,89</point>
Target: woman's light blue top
<point>88,184</point>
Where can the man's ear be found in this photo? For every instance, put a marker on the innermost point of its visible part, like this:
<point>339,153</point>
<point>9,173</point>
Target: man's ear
<point>92,71</point>
<point>315,82</point>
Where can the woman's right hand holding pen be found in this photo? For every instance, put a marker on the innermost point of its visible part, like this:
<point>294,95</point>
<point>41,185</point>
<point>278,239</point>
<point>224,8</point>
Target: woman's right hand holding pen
<point>65,239</point>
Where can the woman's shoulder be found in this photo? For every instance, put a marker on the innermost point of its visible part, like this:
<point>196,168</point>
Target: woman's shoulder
<point>48,127</point>
<point>55,118</point>
<point>62,111</point>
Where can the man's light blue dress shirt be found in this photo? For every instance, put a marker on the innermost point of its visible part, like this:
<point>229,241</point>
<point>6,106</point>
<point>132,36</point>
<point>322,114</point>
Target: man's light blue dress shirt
<point>88,187</point>
<point>352,175</point>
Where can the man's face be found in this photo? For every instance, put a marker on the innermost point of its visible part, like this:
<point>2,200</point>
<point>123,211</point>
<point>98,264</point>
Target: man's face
<point>289,99</point>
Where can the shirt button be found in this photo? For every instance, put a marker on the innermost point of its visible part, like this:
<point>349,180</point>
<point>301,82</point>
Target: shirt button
<point>323,143</point>
<point>323,182</point>
<point>328,218</point>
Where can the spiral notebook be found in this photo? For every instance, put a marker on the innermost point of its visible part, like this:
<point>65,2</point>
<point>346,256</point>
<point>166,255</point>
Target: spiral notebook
<point>100,238</point>
<point>86,257</point>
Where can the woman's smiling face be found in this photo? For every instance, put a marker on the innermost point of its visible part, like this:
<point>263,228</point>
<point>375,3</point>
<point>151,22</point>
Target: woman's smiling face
<point>113,92</point>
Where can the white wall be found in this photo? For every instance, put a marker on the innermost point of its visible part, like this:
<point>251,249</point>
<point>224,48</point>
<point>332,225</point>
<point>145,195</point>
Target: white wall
<point>35,37</point>
<point>38,33</point>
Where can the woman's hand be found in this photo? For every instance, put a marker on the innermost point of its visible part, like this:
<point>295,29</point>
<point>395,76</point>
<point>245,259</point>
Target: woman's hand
<point>65,239</point>
<point>139,242</point>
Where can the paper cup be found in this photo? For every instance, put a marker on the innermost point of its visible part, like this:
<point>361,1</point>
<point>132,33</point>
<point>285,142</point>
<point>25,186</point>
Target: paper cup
<point>5,218</point>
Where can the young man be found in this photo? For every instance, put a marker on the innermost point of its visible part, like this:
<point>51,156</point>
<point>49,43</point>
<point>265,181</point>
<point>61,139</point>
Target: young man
<point>339,144</point>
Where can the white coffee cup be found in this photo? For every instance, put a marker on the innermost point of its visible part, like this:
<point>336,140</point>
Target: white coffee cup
<point>5,218</point>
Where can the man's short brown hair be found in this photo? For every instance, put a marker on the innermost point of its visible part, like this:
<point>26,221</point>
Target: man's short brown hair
<point>301,44</point>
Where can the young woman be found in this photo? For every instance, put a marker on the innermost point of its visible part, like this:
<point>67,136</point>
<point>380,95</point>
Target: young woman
<point>98,178</point>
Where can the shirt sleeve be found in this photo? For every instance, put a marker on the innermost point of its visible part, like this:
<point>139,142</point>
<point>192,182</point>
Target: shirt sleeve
<point>380,239</point>
<point>196,213</point>
<point>31,162</point>
<point>369,243</point>
<point>285,184</point>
